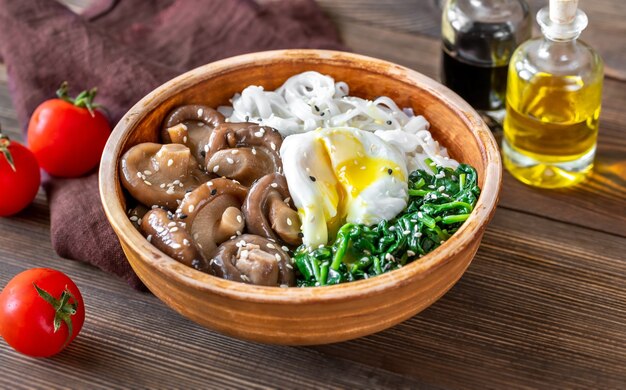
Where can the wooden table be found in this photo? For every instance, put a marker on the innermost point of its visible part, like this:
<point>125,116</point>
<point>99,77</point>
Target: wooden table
<point>542,305</point>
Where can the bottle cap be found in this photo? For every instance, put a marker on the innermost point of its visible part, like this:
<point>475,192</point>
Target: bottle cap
<point>563,11</point>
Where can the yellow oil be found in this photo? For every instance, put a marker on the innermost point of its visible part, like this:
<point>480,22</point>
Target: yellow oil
<point>550,128</point>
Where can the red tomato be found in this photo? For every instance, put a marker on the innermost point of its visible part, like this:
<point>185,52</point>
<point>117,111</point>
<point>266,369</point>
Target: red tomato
<point>66,135</point>
<point>41,312</point>
<point>19,177</point>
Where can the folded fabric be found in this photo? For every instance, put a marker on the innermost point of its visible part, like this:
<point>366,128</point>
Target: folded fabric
<point>126,49</point>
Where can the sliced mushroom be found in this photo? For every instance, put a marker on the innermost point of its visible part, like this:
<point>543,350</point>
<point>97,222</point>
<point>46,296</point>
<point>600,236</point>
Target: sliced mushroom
<point>269,211</point>
<point>191,125</point>
<point>171,238</point>
<point>253,259</point>
<point>212,212</point>
<point>244,151</point>
<point>156,174</point>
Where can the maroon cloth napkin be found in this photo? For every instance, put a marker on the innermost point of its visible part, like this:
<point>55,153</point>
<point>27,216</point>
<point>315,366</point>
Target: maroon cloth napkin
<point>126,49</point>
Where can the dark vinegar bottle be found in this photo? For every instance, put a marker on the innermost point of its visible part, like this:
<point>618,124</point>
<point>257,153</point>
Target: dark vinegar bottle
<point>479,37</point>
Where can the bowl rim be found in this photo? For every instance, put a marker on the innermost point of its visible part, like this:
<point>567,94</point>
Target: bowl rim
<point>471,230</point>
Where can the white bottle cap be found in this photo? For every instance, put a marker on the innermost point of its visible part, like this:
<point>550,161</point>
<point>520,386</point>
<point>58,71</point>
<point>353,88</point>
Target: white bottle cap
<point>563,11</point>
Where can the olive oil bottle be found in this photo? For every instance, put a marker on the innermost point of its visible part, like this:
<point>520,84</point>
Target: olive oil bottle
<point>553,101</point>
<point>479,37</point>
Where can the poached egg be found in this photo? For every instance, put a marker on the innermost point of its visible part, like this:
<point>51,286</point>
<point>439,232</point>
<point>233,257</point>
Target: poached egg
<point>343,174</point>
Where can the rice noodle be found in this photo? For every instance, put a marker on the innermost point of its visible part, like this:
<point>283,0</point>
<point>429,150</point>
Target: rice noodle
<point>310,100</point>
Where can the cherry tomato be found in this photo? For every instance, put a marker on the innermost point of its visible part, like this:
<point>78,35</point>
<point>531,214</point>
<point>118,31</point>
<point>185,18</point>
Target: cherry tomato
<point>67,135</point>
<point>19,177</point>
<point>41,312</point>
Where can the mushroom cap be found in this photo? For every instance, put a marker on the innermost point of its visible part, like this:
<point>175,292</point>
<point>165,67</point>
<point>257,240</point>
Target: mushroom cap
<point>269,211</point>
<point>212,212</point>
<point>244,151</point>
<point>156,174</point>
<point>171,238</point>
<point>191,125</point>
<point>253,259</point>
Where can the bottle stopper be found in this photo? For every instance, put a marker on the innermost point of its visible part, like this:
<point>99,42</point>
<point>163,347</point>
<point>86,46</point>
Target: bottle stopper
<point>563,11</point>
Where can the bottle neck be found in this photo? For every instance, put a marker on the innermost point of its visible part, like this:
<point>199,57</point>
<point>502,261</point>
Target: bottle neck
<point>561,32</point>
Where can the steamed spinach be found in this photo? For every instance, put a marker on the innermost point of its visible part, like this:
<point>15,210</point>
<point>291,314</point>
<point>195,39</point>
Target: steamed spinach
<point>438,205</point>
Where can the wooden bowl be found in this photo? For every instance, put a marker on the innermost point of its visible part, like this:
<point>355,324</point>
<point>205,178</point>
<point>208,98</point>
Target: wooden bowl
<point>316,315</point>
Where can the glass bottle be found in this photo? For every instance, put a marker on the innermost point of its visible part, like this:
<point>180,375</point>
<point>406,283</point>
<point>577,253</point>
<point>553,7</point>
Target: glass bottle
<point>553,102</point>
<point>479,37</point>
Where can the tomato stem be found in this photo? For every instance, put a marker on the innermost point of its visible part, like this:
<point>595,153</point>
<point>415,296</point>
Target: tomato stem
<point>5,142</point>
<point>85,99</point>
<point>64,310</point>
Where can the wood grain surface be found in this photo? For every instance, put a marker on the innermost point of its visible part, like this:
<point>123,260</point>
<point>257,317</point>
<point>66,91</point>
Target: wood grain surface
<point>543,305</point>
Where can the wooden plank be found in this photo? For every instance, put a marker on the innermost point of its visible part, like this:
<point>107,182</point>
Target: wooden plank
<point>600,203</point>
<point>424,17</point>
<point>540,305</point>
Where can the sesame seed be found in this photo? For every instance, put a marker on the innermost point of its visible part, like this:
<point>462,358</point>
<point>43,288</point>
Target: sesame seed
<point>139,174</point>
<point>270,245</point>
<point>363,168</point>
<point>390,171</point>
<point>419,214</point>
<point>277,256</point>
<point>176,182</point>
<point>284,286</point>
<point>234,151</point>
<point>159,229</point>
<point>162,185</point>
<point>284,248</point>
<point>213,191</point>
<point>174,229</point>
<point>418,234</point>
<point>312,178</point>
<point>200,112</point>
<point>239,219</point>
<point>147,182</point>
<point>182,216</point>
<point>289,222</point>
<point>171,224</point>
<point>410,253</point>
<point>170,191</point>
<point>190,208</point>
<point>185,139</point>
<point>258,134</point>
<point>289,266</point>
<point>200,124</point>
<point>134,218</point>
<point>216,168</point>
<point>389,122</point>
<point>147,172</point>
<point>273,145</point>
<point>230,160</point>
<point>287,199</point>
<point>406,232</point>
<point>441,188</point>
<point>186,242</point>
<point>183,126</point>
<point>392,228</point>
<point>206,148</point>
<point>238,232</point>
<point>274,185</point>
<point>170,162</point>
<point>254,151</point>
<point>149,238</point>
